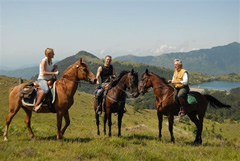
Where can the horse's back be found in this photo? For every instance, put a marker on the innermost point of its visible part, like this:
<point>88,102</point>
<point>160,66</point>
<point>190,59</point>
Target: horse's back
<point>201,101</point>
<point>14,97</point>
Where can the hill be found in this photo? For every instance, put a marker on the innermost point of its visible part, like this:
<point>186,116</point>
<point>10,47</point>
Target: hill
<point>93,63</point>
<point>215,61</point>
<point>139,139</point>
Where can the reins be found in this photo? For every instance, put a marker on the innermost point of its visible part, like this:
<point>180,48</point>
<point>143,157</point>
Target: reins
<point>75,81</point>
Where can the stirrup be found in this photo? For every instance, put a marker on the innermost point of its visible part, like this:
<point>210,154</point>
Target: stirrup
<point>181,113</point>
<point>37,108</point>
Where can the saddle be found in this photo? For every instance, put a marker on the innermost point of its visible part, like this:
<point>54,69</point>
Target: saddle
<point>190,97</point>
<point>29,94</point>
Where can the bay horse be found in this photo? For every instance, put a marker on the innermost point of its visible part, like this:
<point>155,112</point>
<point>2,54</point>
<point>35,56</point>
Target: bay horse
<point>165,103</point>
<point>115,99</point>
<point>66,87</point>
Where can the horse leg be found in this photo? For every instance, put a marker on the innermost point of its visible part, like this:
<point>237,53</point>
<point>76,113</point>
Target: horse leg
<point>28,116</point>
<point>194,119</point>
<point>104,122</point>
<point>109,124</point>
<point>170,127</point>
<point>13,109</point>
<point>59,125</point>
<point>67,122</point>
<point>97,123</point>
<point>200,128</point>
<point>160,116</point>
<point>120,115</point>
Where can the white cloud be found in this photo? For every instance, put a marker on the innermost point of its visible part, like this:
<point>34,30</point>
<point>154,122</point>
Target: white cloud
<point>102,52</point>
<point>164,49</point>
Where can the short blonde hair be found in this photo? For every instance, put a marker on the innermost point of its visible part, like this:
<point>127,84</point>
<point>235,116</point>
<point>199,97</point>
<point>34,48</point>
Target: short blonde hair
<point>48,51</point>
<point>178,61</point>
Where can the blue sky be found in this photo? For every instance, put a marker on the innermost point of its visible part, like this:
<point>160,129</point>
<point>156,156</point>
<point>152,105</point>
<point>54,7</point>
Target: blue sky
<point>101,27</point>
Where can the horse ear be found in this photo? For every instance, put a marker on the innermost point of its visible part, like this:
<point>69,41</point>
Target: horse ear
<point>132,71</point>
<point>81,60</point>
<point>146,71</point>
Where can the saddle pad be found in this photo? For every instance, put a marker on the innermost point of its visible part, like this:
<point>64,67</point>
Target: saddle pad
<point>31,101</point>
<point>191,99</point>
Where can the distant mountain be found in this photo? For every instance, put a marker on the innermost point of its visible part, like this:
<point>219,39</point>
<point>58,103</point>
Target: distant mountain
<point>30,72</point>
<point>94,62</point>
<point>26,73</point>
<point>215,61</point>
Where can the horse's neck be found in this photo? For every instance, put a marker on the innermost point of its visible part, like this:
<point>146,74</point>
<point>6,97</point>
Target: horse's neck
<point>121,86</point>
<point>122,83</point>
<point>70,81</point>
<point>160,88</point>
<point>70,74</point>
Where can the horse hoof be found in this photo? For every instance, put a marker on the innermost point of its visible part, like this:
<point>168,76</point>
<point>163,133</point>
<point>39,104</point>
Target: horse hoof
<point>5,139</point>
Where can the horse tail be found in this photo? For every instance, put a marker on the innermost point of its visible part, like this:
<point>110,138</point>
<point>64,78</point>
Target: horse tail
<point>215,103</point>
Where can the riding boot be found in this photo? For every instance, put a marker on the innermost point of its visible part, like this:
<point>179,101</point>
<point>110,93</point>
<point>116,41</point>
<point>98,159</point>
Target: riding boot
<point>181,102</point>
<point>38,103</point>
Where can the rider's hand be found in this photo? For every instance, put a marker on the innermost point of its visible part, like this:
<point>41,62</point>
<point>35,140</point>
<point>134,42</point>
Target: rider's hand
<point>99,86</point>
<point>56,73</point>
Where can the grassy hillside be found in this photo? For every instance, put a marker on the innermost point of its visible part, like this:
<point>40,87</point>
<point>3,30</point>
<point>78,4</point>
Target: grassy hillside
<point>138,142</point>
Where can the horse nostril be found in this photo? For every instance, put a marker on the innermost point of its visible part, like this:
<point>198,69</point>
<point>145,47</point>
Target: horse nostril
<point>95,80</point>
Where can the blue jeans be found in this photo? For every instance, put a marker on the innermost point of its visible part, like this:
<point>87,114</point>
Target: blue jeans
<point>100,91</point>
<point>43,84</point>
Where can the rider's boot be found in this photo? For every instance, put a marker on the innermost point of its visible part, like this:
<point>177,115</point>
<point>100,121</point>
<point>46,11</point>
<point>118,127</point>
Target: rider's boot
<point>182,103</point>
<point>38,103</point>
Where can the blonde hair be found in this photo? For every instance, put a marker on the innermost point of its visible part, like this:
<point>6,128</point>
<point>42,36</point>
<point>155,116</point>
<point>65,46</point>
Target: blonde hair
<point>48,51</point>
<point>178,61</point>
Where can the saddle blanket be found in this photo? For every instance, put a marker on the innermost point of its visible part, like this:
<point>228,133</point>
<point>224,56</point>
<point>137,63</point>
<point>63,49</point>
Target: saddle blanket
<point>50,97</point>
<point>191,99</point>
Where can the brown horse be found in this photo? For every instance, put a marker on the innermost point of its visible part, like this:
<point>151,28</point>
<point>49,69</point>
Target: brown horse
<point>116,97</point>
<point>66,87</point>
<point>165,103</point>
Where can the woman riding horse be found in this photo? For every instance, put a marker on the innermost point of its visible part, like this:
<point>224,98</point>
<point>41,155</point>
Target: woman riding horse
<point>66,87</point>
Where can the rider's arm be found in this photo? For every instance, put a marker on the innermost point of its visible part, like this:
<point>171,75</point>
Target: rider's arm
<point>114,73</point>
<point>98,74</point>
<point>185,79</point>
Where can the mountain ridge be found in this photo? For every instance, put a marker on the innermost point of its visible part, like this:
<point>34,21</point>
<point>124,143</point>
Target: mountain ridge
<point>215,61</point>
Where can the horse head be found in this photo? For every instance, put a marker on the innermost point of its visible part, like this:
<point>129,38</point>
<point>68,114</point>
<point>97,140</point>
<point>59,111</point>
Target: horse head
<point>145,82</point>
<point>132,83</point>
<point>83,72</point>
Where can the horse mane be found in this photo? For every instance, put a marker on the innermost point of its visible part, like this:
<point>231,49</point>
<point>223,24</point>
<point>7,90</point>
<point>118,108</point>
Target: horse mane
<point>115,82</point>
<point>66,72</point>
<point>163,79</point>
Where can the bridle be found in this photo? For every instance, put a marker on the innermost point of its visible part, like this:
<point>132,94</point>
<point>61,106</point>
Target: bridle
<point>77,80</point>
<point>145,90</point>
<point>145,84</point>
<point>124,91</point>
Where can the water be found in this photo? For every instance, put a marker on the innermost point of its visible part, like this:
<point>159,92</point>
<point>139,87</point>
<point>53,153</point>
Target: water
<point>220,85</point>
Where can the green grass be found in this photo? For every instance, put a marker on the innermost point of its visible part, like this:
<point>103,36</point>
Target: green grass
<point>139,139</point>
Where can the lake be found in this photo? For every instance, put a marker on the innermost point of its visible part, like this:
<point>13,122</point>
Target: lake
<point>221,85</point>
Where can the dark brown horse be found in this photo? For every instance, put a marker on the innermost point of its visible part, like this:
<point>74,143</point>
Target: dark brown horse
<point>165,103</point>
<point>66,87</point>
<point>116,97</point>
